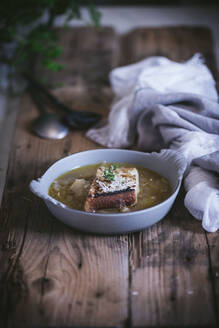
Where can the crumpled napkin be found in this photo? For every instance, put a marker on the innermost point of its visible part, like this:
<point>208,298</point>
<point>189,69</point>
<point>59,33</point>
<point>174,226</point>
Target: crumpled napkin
<point>165,104</point>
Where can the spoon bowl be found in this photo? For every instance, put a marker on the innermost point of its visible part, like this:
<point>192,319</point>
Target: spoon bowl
<point>49,126</point>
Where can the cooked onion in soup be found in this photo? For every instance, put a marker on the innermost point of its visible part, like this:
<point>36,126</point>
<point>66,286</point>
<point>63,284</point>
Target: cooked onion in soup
<point>72,188</point>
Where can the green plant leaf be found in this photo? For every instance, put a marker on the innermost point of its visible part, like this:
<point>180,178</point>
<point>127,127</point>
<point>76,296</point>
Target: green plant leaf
<point>41,41</point>
<point>94,14</point>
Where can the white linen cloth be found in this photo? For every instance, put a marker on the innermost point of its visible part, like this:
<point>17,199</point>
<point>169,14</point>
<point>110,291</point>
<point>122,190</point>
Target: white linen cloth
<point>165,104</point>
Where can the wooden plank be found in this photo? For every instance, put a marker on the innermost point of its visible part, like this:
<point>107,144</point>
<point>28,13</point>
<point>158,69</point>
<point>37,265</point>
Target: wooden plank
<point>170,283</point>
<point>88,56</point>
<point>50,274</point>
<point>170,274</point>
<point>212,242</point>
<point>175,43</point>
<point>7,123</point>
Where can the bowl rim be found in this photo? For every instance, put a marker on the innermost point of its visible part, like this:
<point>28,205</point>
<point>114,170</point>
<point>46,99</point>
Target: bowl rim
<point>108,215</point>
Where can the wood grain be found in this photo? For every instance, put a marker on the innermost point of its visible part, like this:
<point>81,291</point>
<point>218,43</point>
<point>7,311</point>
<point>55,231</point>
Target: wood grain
<point>62,277</point>
<point>176,43</point>
<point>88,56</point>
<point>6,134</point>
<point>170,270</point>
<point>51,275</point>
<point>170,275</point>
<point>212,243</point>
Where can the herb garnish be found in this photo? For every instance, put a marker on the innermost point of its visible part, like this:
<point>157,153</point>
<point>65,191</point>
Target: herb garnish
<point>108,173</point>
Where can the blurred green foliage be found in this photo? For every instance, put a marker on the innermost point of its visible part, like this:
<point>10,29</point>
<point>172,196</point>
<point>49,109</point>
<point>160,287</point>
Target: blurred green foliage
<point>21,24</point>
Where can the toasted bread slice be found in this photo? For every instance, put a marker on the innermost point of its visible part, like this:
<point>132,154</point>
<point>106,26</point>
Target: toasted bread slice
<point>113,188</point>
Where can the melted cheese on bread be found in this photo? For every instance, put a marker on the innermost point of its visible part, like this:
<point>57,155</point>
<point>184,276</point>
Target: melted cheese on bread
<point>119,190</point>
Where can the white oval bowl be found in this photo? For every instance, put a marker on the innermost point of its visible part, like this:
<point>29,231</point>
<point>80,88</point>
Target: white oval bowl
<point>168,163</point>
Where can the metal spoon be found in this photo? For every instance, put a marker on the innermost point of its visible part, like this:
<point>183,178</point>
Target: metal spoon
<point>47,125</point>
<point>73,118</point>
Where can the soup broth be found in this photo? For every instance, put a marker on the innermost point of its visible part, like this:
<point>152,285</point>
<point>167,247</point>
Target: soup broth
<point>153,188</point>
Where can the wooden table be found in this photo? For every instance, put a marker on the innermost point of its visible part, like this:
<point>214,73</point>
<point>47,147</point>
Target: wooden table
<point>53,276</point>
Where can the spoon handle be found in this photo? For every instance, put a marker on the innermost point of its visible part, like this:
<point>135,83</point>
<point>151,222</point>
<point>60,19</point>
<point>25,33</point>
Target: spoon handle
<point>74,118</point>
<point>53,100</point>
<point>37,100</point>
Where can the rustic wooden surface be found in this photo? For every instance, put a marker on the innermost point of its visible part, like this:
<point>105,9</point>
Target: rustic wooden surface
<point>51,275</point>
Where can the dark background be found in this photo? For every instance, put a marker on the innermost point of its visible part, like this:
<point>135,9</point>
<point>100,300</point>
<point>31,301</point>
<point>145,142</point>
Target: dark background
<point>154,2</point>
